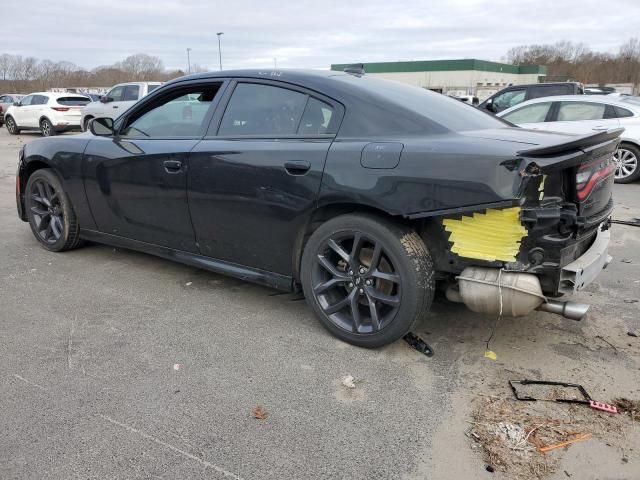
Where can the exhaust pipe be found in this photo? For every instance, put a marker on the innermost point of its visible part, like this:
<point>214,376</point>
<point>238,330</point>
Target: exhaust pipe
<point>515,294</point>
<point>572,310</point>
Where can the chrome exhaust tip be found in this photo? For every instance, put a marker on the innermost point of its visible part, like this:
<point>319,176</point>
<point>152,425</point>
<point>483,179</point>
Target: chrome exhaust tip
<point>571,310</point>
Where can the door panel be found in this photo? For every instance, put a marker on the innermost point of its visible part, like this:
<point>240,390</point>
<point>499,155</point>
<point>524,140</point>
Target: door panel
<point>136,188</point>
<point>249,197</point>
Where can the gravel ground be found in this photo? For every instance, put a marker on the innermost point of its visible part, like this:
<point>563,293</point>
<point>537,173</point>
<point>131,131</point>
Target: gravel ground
<point>117,364</point>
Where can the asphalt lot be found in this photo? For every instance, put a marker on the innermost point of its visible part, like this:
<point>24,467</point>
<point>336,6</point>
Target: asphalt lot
<point>116,364</point>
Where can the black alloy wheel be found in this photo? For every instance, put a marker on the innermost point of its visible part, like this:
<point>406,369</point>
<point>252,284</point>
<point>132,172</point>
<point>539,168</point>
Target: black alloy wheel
<point>369,280</point>
<point>355,283</point>
<point>49,211</point>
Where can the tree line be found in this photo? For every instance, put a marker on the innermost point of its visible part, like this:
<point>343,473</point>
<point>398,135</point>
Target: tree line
<point>27,74</point>
<point>576,61</point>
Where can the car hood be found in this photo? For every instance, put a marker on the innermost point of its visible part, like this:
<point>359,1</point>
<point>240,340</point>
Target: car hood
<point>521,136</point>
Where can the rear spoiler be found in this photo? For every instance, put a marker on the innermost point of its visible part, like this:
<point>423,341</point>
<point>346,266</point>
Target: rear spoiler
<point>567,154</point>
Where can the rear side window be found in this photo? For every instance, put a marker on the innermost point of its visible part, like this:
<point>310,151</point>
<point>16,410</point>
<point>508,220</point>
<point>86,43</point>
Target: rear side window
<point>535,113</point>
<point>316,118</point>
<point>575,111</point>
<point>622,112</point>
<point>39,100</point>
<point>73,101</point>
<point>256,109</point>
<point>550,90</point>
<point>131,93</point>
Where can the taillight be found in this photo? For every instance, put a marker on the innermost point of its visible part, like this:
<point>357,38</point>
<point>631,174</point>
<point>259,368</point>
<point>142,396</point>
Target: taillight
<point>60,109</point>
<point>592,173</point>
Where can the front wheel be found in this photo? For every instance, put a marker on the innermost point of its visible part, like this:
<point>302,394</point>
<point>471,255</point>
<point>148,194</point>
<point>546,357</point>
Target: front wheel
<point>627,161</point>
<point>369,280</point>
<point>50,213</point>
<point>12,128</point>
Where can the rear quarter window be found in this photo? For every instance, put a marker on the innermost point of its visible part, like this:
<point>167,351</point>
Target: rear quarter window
<point>73,101</point>
<point>622,112</point>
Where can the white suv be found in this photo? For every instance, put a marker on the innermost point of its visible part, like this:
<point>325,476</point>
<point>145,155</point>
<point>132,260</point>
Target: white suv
<point>48,112</point>
<point>119,99</point>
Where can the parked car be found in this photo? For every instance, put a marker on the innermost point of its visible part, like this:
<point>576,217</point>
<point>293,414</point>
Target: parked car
<point>93,96</point>
<point>48,112</point>
<point>360,192</point>
<point>117,101</point>
<point>515,94</point>
<point>587,114</point>
<point>6,100</point>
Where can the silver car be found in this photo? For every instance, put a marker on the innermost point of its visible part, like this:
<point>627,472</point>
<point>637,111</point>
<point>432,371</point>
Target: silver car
<point>6,100</point>
<point>119,99</point>
<point>583,114</point>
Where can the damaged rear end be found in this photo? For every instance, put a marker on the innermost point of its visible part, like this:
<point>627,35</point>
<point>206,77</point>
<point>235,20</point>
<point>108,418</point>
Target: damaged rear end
<point>551,242</point>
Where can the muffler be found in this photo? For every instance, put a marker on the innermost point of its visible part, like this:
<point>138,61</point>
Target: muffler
<point>514,294</point>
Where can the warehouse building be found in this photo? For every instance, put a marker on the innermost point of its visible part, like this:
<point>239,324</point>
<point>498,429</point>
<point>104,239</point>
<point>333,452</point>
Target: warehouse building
<point>456,77</point>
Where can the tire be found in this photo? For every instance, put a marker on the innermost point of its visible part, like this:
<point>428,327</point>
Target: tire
<point>627,159</point>
<point>12,128</point>
<point>389,272</point>
<point>50,213</point>
<point>46,127</point>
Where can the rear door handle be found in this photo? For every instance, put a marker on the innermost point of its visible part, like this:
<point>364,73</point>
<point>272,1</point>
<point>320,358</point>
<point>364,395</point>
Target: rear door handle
<point>172,166</point>
<point>297,167</point>
<point>115,106</point>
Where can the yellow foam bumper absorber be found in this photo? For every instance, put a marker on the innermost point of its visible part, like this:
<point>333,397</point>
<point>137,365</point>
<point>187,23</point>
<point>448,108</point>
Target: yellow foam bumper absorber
<point>494,235</point>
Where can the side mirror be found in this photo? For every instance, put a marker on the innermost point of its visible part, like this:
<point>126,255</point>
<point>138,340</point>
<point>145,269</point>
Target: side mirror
<point>17,104</point>
<point>490,106</point>
<point>101,127</point>
<point>106,99</point>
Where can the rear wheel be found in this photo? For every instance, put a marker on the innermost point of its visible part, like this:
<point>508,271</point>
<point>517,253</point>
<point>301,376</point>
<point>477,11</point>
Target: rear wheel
<point>50,213</point>
<point>12,128</point>
<point>46,127</point>
<point>627,160</point>
<point>368,280</point>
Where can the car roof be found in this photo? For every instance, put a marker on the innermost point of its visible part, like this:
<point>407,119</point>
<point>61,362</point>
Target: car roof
<point>56,94</point>
<point>606,99</point>
<point>137,83</point>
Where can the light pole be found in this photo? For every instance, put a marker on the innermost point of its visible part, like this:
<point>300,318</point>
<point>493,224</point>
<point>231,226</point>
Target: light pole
<point>189,59</point>
<point>219,34</point>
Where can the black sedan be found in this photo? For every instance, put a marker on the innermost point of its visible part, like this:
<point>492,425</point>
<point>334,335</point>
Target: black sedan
<point>363,193</point>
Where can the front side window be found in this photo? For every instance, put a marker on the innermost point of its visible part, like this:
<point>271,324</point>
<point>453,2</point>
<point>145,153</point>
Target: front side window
<point>256,109</point>
<point>535,113</point>
<point>180,114</point>
<point>116,94</point>
<point>509,99</point>
<point>26,101</point>
<point>131,93</point>
<point>575,111</point>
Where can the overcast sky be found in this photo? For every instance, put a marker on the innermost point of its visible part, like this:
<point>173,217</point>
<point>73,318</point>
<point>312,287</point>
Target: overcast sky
<point>303,33</point>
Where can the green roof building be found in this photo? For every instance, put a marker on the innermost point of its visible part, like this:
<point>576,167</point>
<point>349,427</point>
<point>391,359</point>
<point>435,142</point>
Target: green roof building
<point>456,77</point>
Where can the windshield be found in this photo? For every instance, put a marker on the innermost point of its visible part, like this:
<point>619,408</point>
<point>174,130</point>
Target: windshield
<point>450,113</point>
<point>73,101</point>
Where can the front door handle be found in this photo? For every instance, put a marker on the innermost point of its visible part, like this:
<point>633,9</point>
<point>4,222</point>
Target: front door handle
<point>297,167</point>
<point>172,166</point>
<point>600,128</point>
<point>115,106</point>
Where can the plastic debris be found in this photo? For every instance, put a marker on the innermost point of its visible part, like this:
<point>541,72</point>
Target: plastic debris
<point>490,354</point>
<point>348,382</point>
<point>632,334</point>
<point>578,438</point>
<point>177,366</point>
<point>605,407</point>
<point>188,283</point>
<point>418,344</point>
